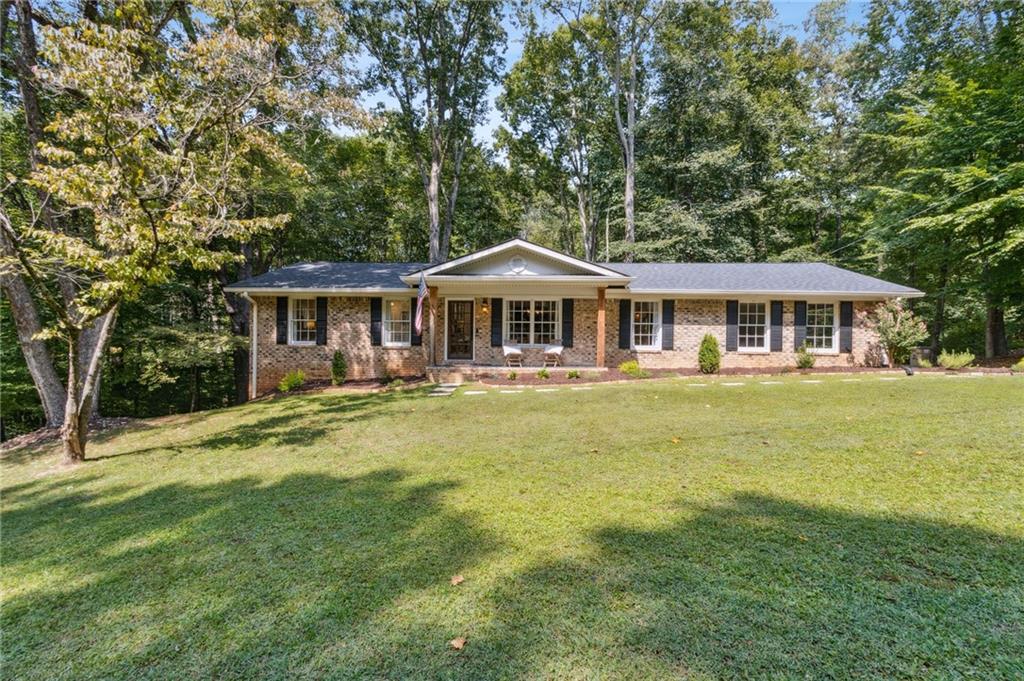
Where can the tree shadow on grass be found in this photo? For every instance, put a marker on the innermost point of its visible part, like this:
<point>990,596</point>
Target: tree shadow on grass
<point>768,588</point>
<point>303,423</point>
<point>229,580</point>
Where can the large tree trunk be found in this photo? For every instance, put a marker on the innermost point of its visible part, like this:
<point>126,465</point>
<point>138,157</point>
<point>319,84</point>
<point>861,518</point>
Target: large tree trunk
<point>83,379</point>
<point>995,332</point>
<point>451,197</point>
<point>36,353</point>
<point>433,187</point>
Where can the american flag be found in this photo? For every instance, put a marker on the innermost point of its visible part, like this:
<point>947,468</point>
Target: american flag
<point>420,295</point>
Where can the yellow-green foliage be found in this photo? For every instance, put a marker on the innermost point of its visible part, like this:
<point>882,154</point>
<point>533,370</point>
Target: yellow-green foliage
<point>632,368</point>
<point>951,359</point>
<point>804,359</point>
<point>292,380</point>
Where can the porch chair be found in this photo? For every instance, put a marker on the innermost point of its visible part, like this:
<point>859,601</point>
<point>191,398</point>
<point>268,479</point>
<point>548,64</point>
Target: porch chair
<point>513,355</point>
<point>553,355</point>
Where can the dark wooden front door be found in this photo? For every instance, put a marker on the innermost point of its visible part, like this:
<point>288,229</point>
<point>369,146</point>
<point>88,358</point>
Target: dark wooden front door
<point>460,329</point>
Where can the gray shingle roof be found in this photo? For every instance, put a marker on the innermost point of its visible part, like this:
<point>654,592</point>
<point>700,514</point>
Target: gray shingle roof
<point>723,278</point>
<point>333,275</point>
<point>803,277</point>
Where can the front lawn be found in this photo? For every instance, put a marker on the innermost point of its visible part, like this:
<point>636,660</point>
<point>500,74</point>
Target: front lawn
<point>659,529</point>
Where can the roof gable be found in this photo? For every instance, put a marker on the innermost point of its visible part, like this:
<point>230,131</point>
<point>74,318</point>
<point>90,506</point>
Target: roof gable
<point>519,258</point>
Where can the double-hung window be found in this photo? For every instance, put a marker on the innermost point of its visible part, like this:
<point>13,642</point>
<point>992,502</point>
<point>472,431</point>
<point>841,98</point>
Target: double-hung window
<point>397,326</point>
<point>752,330</point>
<point>646,324</point>
<point>302,326</point>
<point>532,322</point>
<point>821,327</point>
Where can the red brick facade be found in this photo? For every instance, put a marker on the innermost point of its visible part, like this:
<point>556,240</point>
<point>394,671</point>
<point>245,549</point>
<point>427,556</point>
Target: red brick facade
<point>348,329</point>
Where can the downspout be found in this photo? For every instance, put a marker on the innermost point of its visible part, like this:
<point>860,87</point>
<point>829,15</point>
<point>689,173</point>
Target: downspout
<point>253,347</point>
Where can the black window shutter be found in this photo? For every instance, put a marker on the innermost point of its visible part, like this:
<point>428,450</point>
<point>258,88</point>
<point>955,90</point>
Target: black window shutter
<point>282,320</point>
<point>375,325</point>
<point>321,320</point>
<point>497,320</point>
<point>846,326</point>
<point>668,324</point>
<point>799,323</point>
<point>567,307</point>
<point>417,338</point>
<point>776,341</point>
<point>625,310</point>
<point>732,318</point>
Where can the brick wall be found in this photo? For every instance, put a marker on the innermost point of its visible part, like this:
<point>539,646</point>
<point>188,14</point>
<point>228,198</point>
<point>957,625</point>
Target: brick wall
<point>348,330</point>
<point>693,319</point>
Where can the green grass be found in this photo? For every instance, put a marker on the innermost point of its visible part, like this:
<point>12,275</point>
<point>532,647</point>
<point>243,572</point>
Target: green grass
<point>649,530</point>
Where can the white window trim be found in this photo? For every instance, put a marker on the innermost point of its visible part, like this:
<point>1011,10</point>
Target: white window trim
<point>505,322</point>
<point>834,350</point>
<point>291,321</point>
<point>767,347</point>
<point>384,333</point>
<point>656,341</point>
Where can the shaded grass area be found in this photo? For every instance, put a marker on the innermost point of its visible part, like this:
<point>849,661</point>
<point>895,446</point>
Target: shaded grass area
<point>654,530</point>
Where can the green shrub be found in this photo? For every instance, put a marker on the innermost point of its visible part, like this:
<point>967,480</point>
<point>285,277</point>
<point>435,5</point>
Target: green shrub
<point>804,359</point>
<point>709,358</point>
<point>395,384</point>
<point>544,374</point>
<point>339,368</point>
<point>924,363</point>
<point>632,368</point>
<point>1019,366</point>
<point>951,359</point>
<point>292,380</point>
<point>574,373</point>
<point>512,376</point>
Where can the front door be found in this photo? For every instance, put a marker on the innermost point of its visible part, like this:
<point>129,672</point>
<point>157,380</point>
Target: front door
<point>460,329</point>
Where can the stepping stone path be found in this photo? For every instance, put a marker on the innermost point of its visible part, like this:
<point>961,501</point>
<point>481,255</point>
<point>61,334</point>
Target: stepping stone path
<point>443,390</point>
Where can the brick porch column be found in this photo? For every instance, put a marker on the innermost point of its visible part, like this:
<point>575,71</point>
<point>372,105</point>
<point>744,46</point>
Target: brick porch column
<point>600,326</point>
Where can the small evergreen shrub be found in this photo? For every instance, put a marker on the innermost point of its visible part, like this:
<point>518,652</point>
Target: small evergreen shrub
<point>709,358</point>
<point>339,368</point>
<point>544,374</point>
<point>951,359</point>
<point>292,380</point>
<point>925,363</point>
<point>804,359</point>
<point>512,376</point>
<point>574,373</point>
<point>395,384</point>
<point>1019,366</point>
<point>632,368</point>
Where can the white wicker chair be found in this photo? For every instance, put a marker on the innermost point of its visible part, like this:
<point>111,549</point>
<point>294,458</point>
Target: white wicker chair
<point>513,355</point>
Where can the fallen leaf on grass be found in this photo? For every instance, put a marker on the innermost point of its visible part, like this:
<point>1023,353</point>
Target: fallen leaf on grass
<point>802,538</point>
<point>675,440</point>
<point>920,452</point>
<point>458,643</point>
<point>593,451</point>
<point>457,579</point>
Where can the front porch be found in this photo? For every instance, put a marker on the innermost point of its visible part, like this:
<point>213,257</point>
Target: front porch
<point>465,373</point>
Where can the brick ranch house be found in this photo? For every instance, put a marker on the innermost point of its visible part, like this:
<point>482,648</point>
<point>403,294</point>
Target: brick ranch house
<point>526,296</point>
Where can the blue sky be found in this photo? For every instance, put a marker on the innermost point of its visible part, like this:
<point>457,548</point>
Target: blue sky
<point>790,16</point>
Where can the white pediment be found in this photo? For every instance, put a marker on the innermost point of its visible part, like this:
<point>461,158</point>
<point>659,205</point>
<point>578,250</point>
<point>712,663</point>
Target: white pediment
<point>518,262</point>
<point>519,259</point>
